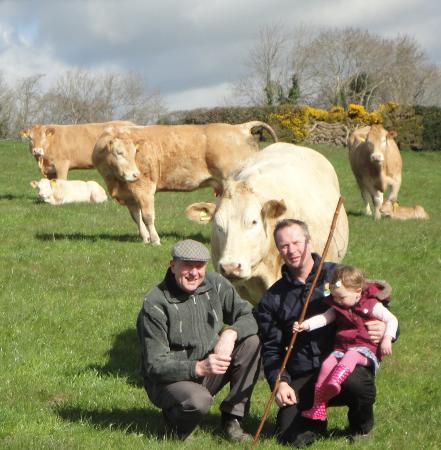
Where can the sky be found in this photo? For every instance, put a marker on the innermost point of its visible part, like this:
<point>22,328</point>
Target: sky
<point>190,50</point>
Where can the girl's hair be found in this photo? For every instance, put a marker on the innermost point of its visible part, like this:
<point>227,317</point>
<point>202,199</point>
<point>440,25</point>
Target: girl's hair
<point>351,277</point>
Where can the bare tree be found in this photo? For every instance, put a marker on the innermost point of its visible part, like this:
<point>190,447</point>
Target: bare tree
<point>80,96</point>
<point>6,107</point>
<point>137,104</point>
<point>27,94</point>
<point>266,68</point>
<point>337,67</point>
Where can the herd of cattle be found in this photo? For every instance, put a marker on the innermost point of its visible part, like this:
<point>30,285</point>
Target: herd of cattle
<point>254,188</point>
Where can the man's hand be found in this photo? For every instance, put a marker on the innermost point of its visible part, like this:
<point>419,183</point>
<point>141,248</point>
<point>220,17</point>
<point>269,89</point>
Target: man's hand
<point>212,365</point>
<point>226,342</point>
<point>376,329</point>
<point>285,395</point>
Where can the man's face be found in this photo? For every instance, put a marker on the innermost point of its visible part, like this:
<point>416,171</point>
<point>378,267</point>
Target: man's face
<point>188,274</point>
<point>293,246</point>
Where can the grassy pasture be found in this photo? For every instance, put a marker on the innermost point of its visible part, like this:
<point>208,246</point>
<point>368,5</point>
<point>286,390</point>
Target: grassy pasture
<point>72,280</point>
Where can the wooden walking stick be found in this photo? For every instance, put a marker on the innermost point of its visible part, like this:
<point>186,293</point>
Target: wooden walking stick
<point>300,320</point>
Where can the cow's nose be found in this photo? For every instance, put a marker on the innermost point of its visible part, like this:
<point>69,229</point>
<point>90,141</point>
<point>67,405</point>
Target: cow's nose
<point>132,176</point>
<point>230,268</point>
<point>377,157</point>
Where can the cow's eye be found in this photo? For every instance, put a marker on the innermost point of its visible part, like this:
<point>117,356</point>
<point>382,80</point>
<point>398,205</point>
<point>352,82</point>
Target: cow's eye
<point>254,222</point>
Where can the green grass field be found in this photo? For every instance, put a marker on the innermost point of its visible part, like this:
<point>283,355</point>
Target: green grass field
<point>72,282</point>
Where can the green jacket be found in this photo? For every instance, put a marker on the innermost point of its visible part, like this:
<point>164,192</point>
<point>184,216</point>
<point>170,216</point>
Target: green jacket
<point>177,329</point>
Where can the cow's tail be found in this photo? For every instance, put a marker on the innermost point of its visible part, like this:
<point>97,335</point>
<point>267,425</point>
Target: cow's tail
<point>257,123</point>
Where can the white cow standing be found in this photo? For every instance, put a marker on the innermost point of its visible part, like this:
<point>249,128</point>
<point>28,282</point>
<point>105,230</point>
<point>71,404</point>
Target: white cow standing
<point>60,192</point>
<point>281,181</point>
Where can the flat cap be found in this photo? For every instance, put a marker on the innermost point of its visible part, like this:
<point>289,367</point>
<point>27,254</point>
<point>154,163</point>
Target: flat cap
<point>190,250</point>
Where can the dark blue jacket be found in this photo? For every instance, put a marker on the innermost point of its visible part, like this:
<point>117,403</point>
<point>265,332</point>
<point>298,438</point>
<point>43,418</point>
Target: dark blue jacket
<point>280,307</point>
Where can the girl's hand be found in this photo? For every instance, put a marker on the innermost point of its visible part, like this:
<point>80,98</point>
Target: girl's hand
<point>300,327</point>
<point>386,346</point>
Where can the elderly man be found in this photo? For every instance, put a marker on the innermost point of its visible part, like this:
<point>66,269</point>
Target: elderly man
<point>277,311</point>
<point>197,335</point>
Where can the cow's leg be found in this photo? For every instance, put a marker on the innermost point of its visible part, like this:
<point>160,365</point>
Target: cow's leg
<point>365,195</point>
<point>147,204</point>
<point>62,169</point>
<point>135,212</point>
<point>378,202</point>
<point>395,184</point>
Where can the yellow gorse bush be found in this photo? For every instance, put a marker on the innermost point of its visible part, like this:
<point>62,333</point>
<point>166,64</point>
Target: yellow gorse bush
<point>296,122</point>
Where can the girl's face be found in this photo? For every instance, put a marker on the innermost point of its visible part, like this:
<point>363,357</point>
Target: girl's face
<point>345,297</point>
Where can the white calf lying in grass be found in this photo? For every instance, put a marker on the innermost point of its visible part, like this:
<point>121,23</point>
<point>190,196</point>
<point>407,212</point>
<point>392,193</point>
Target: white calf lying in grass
<point>59,192</point>
<point>395,211</point>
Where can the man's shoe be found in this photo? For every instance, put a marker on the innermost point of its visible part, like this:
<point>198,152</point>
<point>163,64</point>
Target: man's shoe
<point>305,438</point>
<point>173,432</point>
<point>359,437</point>
<point>234,432</point>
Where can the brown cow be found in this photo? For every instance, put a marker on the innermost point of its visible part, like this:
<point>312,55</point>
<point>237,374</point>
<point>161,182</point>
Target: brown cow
<point>396,211</point>
<point>376,163</point>
<point>135,162</point>
<point>60,148</point>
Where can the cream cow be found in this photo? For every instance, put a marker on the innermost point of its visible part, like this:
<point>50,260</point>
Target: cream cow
<point>60,148</point>
<point>281,181</point>
<point>60,192</point>
<point>376,163</point>
<point>396,211</point>
<point>136,162</point>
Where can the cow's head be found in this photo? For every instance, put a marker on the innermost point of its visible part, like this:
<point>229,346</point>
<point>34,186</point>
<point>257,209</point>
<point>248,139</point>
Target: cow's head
<point>44,187</point>
<point>40,137</point>
<point>377,141</point>
<point>241,229</point>
<point>121,157</point>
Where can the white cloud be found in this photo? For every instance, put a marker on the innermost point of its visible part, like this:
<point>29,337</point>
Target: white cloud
<point>183,47</point>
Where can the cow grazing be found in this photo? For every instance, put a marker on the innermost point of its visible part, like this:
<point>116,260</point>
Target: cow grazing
<point>396,211</point>
<point>60,148</point>
<point>135,162</point>
<point>60,192</point>
<point>281,181</point>
<point>376,163</point>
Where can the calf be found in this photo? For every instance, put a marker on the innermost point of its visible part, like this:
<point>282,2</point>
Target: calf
<point>395,211</point>
<point>59,192</point>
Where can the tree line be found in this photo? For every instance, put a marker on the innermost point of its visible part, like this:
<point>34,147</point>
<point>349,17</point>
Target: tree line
<point>336,67</point>
<point>77,96</point>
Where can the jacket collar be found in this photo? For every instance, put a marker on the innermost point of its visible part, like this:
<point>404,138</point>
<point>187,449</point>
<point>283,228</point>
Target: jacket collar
<point>174,294</point>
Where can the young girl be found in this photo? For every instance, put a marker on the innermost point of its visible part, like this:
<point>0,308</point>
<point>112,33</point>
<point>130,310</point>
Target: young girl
<point>353,302</point>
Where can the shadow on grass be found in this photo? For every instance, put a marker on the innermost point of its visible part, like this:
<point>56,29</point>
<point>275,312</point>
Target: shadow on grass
<point>137,420</point>
<point>114,237</point>
<point>15,197</point>
<point>145,421</point>
<point>87,237</point>
<point>123,358</point>
<point>354,213</point>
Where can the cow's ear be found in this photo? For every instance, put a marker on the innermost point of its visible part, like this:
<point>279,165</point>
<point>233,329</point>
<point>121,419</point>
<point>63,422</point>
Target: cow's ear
<point>201,213</point>
<point>272,209</point>
<point>34,184</point>
<point>50,131</point>
<point>140,143</point>
<point>392,134</point>
<point>25,133</point>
